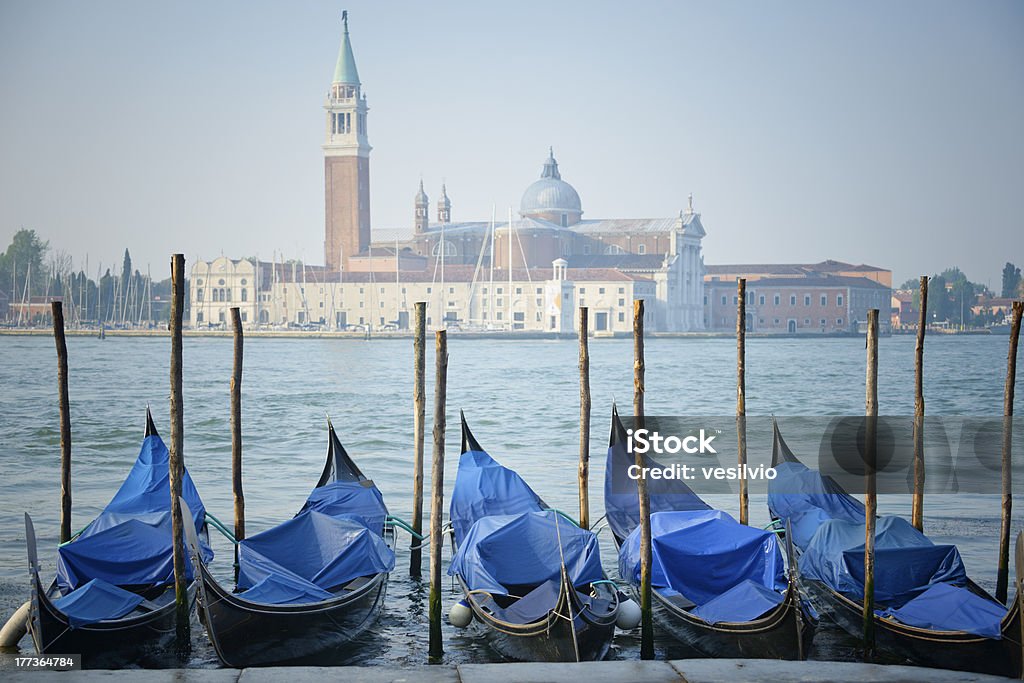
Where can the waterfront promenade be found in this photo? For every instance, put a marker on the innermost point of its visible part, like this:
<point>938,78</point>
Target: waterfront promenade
<point>677,671</point>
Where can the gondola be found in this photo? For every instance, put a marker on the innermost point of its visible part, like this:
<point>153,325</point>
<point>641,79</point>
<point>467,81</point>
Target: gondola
<point>718,586</point>
<point>308,587</point>
<point>928,612</point>
<point>531,577</point>
<point>113,600</point>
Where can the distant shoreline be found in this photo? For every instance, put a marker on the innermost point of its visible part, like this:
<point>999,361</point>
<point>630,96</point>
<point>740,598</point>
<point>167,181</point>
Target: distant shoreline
<point>457,334</point>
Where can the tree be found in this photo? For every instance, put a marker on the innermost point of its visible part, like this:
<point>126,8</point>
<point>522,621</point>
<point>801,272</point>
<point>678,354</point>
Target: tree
<point>126,268</point>
<point>913,283</point>
<point>938,299</point>
<point>25,253</point>
<point>1011,280</point>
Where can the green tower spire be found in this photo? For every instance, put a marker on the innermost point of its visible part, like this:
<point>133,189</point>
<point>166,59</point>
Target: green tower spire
<point>345,71</point>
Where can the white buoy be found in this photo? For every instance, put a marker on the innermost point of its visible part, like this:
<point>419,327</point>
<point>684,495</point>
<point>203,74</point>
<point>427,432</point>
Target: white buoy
<point>460,615</point>
<point>15,628</point>
<point>628,617</point>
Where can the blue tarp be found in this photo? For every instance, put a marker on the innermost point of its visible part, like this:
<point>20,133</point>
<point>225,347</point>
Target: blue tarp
<point>702,555</point>
<point>484,488</point>
<point>95,601</point>
<point>746,601</point>
<point>502,554</point>
<point>906,561</point>
<point>357,500</point>
<point>960,609</point>
<point>129,543</point>
<point>308,552</point>
<point>621,500</point>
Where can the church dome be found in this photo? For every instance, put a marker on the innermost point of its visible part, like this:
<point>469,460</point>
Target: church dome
<point>550,198</point>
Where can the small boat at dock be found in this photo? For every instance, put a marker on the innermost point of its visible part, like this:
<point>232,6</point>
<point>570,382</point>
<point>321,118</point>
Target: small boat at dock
<point>310,586</point>
<point>927,610</point>
<point>531,577</point>
<point>113,600</point>
<point>717,585</point>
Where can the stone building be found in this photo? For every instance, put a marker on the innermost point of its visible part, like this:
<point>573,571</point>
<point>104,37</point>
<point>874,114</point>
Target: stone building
<point>292,295</point>
<point>827,297</point>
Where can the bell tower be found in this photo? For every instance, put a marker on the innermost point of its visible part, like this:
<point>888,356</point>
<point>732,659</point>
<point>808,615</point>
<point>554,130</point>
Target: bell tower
<point>422,210</point>
<point>444,207</point>
<point>346,162</point>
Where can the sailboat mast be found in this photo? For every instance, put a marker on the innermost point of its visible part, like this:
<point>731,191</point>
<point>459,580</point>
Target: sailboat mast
<point>509,307</point>
<point>444,296</point>
<point>490,288</point>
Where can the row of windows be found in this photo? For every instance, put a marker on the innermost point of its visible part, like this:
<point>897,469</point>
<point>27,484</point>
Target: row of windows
<point>221,294</point>
<point>807,321</point>
<point>341,123</point>
<point>777,299</point>
<point>600,290</point>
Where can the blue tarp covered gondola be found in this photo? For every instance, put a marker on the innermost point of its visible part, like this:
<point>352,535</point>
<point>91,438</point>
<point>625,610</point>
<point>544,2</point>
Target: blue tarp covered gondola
<point>510,544</point>
<point>128,544</point>
<point>917,581</point>
<point>336,537</point>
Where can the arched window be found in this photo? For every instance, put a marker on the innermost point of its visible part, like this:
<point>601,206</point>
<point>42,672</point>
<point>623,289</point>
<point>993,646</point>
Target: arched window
<point>449,249</point>
<point>613,249</point>
<point>245,295</point>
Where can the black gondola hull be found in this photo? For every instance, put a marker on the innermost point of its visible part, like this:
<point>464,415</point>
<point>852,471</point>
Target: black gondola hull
<point>956,650</point>
<point>248,634</point>
<point>550,639</point>
<point>783,633</point>
<point>146,640</point>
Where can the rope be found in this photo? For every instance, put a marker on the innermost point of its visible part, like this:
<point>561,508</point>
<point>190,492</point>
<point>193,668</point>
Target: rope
<point>219,526</point>
<point>396,521</point>
<point>556,510</point>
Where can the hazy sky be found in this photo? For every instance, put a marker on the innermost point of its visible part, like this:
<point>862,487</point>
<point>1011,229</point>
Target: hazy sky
<point>879,132</point>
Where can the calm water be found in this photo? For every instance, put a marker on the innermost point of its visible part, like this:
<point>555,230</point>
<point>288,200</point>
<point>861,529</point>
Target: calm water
<point>521,398</point>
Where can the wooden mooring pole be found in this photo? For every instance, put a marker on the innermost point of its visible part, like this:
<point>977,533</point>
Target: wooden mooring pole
<point>870,498</point>
<point>646,616</point>
<point>236,432</point>
<point>436,651</point>
<point>584,469</point>
<point>57,309</point>
<point>1002,572</point>
<point>917,504</point>
<point>741,394</point>
<point>176,456</point>
<point>419,345</point>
